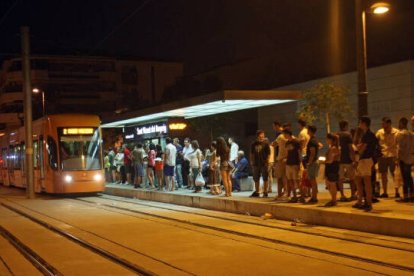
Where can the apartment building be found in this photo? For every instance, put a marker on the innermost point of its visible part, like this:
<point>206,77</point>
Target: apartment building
<point>97,85</point>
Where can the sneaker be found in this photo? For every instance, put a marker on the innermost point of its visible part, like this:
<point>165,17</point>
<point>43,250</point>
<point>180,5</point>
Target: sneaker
<point>255,194</point>
<point>353,198</point>
<point>330,204</point>
<point>357,206</point>
<point>302,200</point>
<point>402,200</point>
<point>343,199</point>
<point>397,195</point>
<point>265,195</point>
<point>293,200</point>
<point>375,200</point>
<point>384,195</point>
<point>367,208</point>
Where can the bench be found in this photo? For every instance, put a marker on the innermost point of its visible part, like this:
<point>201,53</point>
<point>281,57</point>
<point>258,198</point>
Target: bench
<point>246,184</point>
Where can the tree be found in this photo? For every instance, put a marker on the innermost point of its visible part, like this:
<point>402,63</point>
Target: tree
<point>323,102</point>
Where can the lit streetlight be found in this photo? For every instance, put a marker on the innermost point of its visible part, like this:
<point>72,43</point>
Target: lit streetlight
<point>37,91</point>
<point>360,12</point>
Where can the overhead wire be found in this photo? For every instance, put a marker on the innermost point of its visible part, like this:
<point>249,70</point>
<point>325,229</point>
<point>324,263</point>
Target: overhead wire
<point>126,19</point>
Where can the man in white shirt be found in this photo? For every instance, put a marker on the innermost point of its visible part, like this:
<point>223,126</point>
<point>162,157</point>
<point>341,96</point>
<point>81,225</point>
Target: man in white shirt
<point>234,149</point>
<point>187,149</point>
<point>387,140</point>
<point>170,155</point>
<point>303,136</point>
<point>280,171</point>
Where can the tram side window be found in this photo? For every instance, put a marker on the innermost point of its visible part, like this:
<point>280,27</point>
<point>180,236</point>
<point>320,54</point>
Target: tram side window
<point>3,158</point>
<point>17,161</point>
<point>35,154</point>
<point>10,158</point>
<point>22,156</point>
<point>52,152</point>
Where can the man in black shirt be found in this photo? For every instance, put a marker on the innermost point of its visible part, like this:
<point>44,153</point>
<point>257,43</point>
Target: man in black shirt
<point>259,158</point>
<point>311,164</point>
<point>366,151</point>
<point>347,160</point>
<point>292,163</point>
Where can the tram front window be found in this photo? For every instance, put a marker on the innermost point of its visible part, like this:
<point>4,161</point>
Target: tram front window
<point>80,150</point>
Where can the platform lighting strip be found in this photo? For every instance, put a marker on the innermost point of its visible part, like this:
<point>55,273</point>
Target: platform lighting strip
<point>201,110</point>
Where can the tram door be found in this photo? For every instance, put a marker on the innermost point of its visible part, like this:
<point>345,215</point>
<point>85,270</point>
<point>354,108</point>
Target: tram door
<point>38,165</point>
<point>41,162</point>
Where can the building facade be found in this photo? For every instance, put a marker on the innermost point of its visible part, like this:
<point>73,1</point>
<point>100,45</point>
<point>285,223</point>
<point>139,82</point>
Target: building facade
<point>96,85</point>
<point>391,94</point>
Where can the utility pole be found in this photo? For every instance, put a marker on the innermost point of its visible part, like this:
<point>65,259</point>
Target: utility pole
<point>27,89</point>
<point>361,54</point>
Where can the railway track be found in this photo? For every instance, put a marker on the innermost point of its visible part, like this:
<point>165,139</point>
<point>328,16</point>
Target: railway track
<point>47,268</point>
<point>257,237</point>
<point>174,217</point>
<point>325,233</point>
<point>37,261</point>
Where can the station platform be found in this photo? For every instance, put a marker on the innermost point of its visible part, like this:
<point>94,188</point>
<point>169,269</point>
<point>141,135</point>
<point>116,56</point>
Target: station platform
<point>387,218</point>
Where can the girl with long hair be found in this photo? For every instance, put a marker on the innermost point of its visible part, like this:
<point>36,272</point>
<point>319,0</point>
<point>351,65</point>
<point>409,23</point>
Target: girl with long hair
<point>151,165</point>
<point>195,163</point>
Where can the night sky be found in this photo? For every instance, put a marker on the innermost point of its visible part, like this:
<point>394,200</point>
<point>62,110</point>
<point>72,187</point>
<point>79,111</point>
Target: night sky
<point>299,36</point>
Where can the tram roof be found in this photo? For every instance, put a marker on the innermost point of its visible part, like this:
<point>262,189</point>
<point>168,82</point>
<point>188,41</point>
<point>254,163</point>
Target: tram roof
<point>205,105</point>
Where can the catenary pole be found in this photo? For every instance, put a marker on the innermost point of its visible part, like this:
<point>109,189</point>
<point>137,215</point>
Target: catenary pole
<point>27,89</point>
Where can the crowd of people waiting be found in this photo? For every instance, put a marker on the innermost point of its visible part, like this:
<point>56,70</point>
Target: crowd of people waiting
<point>352,156</point>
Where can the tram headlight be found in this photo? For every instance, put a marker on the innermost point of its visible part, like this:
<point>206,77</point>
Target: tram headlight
<point>97,177</point>
<point>68,178</point>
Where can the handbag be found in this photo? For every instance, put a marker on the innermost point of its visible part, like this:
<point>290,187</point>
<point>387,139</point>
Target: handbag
<point>215,189</point>
<point>199,181</point>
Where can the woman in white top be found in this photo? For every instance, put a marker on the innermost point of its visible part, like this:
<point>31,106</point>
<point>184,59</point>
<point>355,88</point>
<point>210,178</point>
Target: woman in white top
<point>195,163</point>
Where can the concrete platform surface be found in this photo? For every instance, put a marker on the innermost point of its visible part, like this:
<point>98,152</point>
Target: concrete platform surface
<point>387,218</point>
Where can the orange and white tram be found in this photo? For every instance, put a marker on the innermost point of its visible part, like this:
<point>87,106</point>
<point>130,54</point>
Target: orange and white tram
<point>67,153</point>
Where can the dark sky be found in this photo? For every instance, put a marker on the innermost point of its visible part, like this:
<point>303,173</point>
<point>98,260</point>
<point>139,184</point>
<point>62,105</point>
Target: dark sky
<point>298,35</point>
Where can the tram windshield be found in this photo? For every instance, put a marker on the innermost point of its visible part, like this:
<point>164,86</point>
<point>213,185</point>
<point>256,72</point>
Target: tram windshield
<point>80,149</point>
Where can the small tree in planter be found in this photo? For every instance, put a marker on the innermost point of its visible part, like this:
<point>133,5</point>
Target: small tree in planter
<point>323,102</point>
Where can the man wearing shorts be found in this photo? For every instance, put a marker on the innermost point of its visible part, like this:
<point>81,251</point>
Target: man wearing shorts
<point>387,140</point>
<point>292,163</point>
<point>170,156</point>
<point>366,149</point>
<point>259,157</point>
<point>280,170</point>
<point>346,161</point>
<point>311,164</point>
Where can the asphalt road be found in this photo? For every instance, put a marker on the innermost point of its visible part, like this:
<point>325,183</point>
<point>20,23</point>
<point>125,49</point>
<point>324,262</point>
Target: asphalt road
<point>103,235</point>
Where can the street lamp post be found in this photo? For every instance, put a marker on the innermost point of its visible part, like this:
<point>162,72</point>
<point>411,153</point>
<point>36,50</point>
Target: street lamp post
<point>361,51</point>
<point>36,91</point>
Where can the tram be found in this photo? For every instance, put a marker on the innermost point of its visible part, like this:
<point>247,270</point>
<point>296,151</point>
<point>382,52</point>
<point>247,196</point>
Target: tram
<point>67,155</point>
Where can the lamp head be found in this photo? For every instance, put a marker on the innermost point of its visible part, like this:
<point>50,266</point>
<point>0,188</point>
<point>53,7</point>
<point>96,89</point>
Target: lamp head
<point>380,8</point>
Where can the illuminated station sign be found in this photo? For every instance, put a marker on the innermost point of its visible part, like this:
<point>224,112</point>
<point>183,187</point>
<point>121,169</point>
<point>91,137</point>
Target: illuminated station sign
<point>156,129</point>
